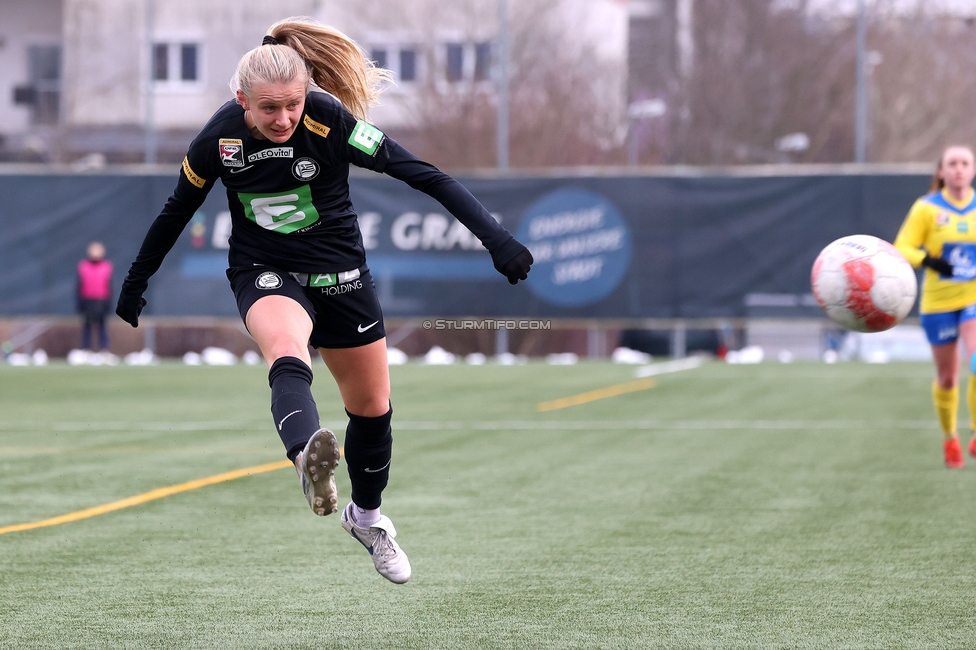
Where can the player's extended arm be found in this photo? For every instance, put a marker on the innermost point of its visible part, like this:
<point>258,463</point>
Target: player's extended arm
<point>911,236</point>
<point>162,235</point>
<point>508,255</point>
<point>940,265</point>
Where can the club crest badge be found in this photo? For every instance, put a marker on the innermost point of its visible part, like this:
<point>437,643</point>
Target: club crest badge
<point>268,280</point>
<point>305,169</point>
<point>231,152</point>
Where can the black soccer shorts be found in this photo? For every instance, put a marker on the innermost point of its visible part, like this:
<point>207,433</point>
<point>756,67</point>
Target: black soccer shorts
<point>344,309</point>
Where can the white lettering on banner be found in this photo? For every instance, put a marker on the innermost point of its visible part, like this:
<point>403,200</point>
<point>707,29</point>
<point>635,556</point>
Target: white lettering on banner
<point>369,226</point>
<point>579,270</point>
<point>221,230</point>
<point>598,242</point>
<point>541,252</point>
<point>433,231</point>
<point>566,222</point>
<point>443,233</point>
<point>602,241</point>
<point>405,232</point>
<point>267,208</point>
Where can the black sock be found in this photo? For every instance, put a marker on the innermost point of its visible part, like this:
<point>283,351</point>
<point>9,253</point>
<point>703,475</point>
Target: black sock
<point>368,452</point>
<point>295,414</point>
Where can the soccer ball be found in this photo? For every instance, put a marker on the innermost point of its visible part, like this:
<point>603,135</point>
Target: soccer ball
<point>863,283</point>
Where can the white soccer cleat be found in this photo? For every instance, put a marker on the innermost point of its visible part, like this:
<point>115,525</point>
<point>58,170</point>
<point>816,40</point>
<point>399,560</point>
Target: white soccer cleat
<point>388,558</point>
<point>316,466</point>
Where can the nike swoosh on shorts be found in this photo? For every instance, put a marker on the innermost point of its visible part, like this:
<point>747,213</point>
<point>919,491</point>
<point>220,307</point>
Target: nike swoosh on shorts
<point>363,329</point>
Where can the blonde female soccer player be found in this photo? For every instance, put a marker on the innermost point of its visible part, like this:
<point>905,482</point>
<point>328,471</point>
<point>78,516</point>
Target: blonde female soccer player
<point>939,233</point>
<point>297,264</point>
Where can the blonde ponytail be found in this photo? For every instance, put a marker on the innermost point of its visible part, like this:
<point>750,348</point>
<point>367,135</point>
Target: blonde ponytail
<point>335,63</point>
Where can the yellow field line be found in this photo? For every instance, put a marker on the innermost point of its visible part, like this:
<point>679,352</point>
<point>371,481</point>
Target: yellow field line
<point>593,395</point>
<point>149,496</point>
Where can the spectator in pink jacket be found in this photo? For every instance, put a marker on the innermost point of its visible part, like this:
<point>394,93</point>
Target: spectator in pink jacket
<point>94,291</point>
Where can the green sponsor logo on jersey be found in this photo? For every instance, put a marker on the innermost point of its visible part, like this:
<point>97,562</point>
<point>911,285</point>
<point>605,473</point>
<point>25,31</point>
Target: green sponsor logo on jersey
<point>366,138</point>
<point>322,279</point>
<point>282,212</point>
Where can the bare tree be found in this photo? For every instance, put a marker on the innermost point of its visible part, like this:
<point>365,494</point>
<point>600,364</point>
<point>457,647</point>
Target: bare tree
<point>924,87</point>
<point>762,71</point>
<point>766,68</point>
<point>562,113</point>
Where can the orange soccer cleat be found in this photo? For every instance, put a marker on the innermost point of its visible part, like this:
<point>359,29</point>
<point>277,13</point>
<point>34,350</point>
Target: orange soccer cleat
<point>953,453</point>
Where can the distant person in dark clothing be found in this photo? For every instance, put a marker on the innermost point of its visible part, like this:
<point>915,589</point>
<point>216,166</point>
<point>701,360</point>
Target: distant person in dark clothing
<point>94,292</point>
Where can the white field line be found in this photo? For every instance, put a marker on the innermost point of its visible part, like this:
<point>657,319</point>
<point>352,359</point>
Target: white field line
<point>669,366</point>
<point>644,425</point>
<point>501,425</point>
<point>124,426</point>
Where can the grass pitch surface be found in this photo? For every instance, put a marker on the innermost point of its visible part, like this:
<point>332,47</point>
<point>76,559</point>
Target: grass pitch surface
<point>769,506</point>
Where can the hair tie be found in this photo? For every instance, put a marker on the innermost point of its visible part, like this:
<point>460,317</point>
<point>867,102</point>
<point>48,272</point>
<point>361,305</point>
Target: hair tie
<point>270,40</point>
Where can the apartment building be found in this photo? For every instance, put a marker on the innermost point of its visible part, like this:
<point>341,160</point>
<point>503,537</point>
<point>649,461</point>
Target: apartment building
<point>133,80</point>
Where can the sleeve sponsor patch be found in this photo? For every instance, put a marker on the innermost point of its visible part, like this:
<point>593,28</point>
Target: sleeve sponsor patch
<point>315,127</point>
<point>191,175</point>
<point>231,152</point>
<point>366,137</point>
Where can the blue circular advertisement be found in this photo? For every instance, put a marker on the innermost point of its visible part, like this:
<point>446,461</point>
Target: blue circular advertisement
<point>581,247</point>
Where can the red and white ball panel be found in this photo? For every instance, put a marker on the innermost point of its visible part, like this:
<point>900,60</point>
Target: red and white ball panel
<point>863,283</point>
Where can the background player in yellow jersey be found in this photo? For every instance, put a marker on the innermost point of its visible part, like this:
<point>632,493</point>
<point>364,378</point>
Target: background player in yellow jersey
<point>939,233</point>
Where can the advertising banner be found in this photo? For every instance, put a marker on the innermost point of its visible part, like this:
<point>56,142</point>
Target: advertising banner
<point>605,246</point>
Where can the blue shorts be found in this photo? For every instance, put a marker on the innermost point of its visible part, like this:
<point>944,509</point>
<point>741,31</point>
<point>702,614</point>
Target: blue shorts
<point>943,327</point>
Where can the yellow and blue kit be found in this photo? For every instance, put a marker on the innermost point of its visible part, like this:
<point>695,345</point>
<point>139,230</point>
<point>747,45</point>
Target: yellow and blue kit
<point>939,226</point>
<point>942,227</point>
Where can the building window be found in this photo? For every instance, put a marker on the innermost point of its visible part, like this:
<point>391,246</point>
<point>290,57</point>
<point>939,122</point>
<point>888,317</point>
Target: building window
<point>468,62</point>
<point>160,62</point>
<point>482,61</point>
<point>408,65</point>
<point>378,55</point>
<point>44,72</point>
<point>176,63</point>
<point>403,61</point>
<point>455,62</point>
<point>188,62</point>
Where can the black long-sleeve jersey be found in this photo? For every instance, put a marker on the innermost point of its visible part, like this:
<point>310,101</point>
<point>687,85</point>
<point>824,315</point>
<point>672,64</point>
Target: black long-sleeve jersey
<point>289,202</point>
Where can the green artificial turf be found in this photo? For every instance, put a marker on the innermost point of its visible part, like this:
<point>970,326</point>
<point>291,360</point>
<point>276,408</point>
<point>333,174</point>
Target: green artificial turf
<point>766,506</point>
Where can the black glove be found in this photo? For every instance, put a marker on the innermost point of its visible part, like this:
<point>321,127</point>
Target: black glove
<point>938,264</point>
<point>518,267</point>
<point>129,307</point>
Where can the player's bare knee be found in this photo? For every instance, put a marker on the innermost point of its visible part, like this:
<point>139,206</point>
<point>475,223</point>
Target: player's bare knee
<point>282,349</point>
<point>946,381</point>
<point>368,406</point>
